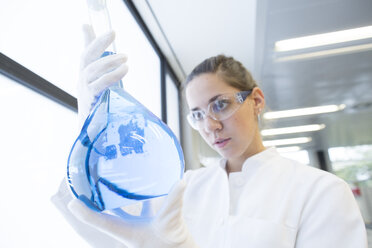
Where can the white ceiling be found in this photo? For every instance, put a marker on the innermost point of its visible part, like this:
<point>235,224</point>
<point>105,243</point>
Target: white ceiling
<point>189,31</point>
<point>196,30</point>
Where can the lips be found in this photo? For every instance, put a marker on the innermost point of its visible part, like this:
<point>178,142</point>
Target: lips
<point>220,143</point>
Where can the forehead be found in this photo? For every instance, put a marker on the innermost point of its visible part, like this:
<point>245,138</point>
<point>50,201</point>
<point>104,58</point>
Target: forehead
<point>204,87</point>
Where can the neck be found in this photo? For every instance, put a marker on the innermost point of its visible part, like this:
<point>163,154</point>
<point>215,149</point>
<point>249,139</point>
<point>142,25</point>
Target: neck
<point>236,164</point>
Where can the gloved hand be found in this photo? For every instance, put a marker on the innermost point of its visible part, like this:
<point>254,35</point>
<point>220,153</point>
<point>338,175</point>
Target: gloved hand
<point>96,74</point>
<point>93,236</point>
<point>166,230</point>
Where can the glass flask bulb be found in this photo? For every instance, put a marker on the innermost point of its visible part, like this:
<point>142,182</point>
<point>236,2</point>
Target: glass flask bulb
<point>124,154</point>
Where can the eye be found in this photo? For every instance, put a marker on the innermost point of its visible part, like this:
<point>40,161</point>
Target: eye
<point>220,105</point>
<point>197,115</point>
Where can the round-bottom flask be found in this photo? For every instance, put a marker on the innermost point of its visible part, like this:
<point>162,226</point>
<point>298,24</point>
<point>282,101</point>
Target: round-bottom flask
<point>124,154</point>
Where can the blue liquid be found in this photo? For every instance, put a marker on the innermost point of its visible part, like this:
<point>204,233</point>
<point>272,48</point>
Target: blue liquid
<point>124,154</point>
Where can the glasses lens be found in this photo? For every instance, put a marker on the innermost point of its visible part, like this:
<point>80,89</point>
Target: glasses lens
<point>197,115</point>
<point>220,109</point>
<point>223,107</point>
<point>191,121</point>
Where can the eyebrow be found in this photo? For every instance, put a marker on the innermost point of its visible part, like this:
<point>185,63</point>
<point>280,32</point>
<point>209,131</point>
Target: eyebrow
<point>209,101</point>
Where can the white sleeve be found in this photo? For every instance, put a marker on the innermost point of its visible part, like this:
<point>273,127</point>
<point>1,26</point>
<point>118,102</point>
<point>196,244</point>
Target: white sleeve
<point>331,217</point>
<point>93,236</point>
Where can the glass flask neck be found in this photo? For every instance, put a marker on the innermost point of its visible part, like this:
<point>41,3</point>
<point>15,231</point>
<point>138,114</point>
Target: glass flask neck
<point>100,20</point>
<point>119,83</point>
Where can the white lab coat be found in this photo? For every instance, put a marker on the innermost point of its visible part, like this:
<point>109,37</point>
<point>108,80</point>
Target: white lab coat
<point>273,202</point>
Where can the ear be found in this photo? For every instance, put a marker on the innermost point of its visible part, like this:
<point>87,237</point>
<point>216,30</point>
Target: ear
<point>259,100</point>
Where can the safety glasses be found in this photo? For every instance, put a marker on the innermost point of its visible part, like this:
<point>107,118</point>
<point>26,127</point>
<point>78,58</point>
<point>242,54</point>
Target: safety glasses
<point>221,108</point>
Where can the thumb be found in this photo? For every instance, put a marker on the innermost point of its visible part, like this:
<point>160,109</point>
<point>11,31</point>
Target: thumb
<point>175,196</point>
<point>88,33</point>
<point>170,221</point>
<point>172,208</point>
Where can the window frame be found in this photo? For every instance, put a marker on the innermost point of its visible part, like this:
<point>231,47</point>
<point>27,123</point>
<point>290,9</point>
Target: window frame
<point>29,79</point>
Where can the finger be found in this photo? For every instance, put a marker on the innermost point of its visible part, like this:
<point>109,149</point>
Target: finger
<point>170,216</point>
<point>95,49</point>
<point>108,224</point>
<point>174,202</point>
<point>102,66</point>
<point>175,196</point>
<point>88,33</point>
<point>108,79</point>
<point>84,213</point>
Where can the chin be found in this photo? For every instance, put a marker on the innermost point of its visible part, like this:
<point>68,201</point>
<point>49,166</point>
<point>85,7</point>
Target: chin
<point>228,154</point>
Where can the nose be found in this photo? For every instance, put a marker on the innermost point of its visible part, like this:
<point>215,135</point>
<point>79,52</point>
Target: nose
<point>211,125</point>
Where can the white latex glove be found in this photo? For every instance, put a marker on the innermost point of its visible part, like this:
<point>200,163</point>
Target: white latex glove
<point>92,235</point>
<point>96,73</point>
<point>166,230</point>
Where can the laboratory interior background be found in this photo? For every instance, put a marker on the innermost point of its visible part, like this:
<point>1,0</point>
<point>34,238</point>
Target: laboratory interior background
<point>312,59</point>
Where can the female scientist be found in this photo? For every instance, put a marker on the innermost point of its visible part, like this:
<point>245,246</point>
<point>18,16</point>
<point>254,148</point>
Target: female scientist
<point>252,198</point>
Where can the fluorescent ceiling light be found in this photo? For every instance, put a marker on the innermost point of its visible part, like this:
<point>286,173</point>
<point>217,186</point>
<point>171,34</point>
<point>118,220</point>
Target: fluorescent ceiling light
<point>303,111</point>
<point>296,129</point>
<point>329,52</point>
<point>282,142</point>
<point>324,39</point>
<point>288,149</point>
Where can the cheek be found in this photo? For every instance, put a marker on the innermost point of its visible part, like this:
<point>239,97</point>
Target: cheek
<point>242,125</point>
<point>246,117</point>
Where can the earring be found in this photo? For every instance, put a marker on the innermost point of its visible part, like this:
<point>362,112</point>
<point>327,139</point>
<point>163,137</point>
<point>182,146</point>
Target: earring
<point>259,117</point>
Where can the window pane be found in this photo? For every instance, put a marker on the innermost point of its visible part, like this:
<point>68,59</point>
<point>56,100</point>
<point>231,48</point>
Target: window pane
<point>173,113</point>
<point>36,136</point>
<point>143,78</point>
<point>354,164</point>
<point>38,35</point>
<point>46,37</point>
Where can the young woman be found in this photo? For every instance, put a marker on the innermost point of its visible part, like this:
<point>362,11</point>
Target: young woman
<point>252,198</point>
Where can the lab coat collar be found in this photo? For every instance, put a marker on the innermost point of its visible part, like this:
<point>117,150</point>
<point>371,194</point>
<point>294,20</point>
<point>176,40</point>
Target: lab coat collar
<point>252,163</point>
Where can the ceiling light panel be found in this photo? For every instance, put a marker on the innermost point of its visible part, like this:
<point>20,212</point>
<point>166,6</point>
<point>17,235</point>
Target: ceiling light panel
<point>324,39</point>
<point>282,142</point>
<point>303,111</point>
<point>326,53</point>
<point>295,129</point>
